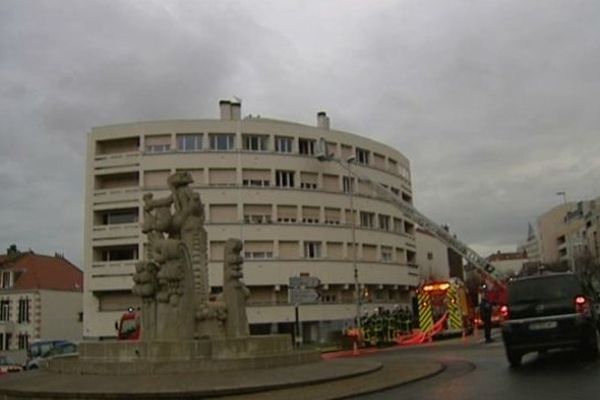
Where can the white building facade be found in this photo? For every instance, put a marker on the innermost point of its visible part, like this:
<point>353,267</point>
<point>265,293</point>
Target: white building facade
<point>260,181</point>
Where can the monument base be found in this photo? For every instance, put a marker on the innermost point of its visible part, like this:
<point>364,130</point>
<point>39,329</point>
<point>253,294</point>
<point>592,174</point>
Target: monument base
<point>204,355</point>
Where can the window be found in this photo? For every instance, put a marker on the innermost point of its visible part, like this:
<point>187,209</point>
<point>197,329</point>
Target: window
<point>258,255</point>
<point>407,197</point>
<point>398,225</point>
<point>257,219</point>
<point>23,341</point>
<point>6,279</point>
<point>384,222</point>
<point>117,181</point>
<point>310,215</point>
<point>362,156</point>
<point>118,253</point>
<point>222,176</point>
<point>117,146</point>
<point>332,216</point>
<point>5,339</point>
<point>312,249</point>
<point>124,216</point>
<point>284,179</point>
<point>379,160</point>
<point>306,146</point>
<point>5,310</point>
<point>287,214</point>
<point>283,144</point>
<point>396,191</point>
<point>156,179</point>
<point>331,183</point>
<point>222,141</point>
<point>308,180</point>
<point>158,143</point>
<point>348,184</point>
<point>189,142</point>
<point>367,219</point>
<point>257,213</point>
<point>386,254</point>
<point>369,252</point>
<point>409,228</point>
<point>255,142</point>
<point>258,250</point>
<point>223,213</point>
<point>256,177</point>
<point>23,311</point>
<point>411,257</point>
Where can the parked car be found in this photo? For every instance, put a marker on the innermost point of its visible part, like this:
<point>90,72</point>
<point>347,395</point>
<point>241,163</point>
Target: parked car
<point>39,352</point>
<point>549,311</point>
<point>8,365</point>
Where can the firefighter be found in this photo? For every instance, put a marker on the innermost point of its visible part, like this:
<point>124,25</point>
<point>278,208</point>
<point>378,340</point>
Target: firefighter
<point>390,325</point>
<point>407,319</point>
<point>485,311</point>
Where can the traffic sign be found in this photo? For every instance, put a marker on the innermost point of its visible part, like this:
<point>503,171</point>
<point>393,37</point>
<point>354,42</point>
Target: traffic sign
<point>303,296</point>
<point>304,281</point>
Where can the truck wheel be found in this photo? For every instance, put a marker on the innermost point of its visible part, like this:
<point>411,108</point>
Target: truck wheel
<point>514,357</point>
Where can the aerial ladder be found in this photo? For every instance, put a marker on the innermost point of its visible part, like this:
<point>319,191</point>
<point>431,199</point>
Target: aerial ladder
<point>474,260</point>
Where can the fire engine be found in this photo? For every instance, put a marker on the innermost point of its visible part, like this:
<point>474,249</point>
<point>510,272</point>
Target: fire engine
<point>446,303</point>
<point>128,327</point>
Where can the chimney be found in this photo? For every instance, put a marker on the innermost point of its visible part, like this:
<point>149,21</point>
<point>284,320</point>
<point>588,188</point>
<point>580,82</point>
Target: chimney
<point>236,110</point>
<point>225,107</point>
<point>322,120</point>
<point>12,252</point>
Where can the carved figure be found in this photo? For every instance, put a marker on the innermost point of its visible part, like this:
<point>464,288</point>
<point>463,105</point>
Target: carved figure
<point>173,279</point>
<point>235,290</point>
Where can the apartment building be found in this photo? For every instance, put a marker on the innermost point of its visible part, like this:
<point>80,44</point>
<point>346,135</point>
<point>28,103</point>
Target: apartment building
<point>40,298</point>
<point>568,232</point>
<point>261,181</point>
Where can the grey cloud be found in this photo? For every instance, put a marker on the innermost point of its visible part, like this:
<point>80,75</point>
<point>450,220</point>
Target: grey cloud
<point>494,103</point>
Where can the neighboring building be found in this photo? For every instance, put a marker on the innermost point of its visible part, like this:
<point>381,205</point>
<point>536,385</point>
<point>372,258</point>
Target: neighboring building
<point>40,298</point>
<point>566,232</point>
<point>432,256</point>
<point>531,246</point>
<point>508,263</point>
<point>435,259</point>
<point>585,240</point>
<point>260,180</point>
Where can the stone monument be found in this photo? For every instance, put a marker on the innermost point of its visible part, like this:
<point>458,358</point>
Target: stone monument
<point>182,329</point>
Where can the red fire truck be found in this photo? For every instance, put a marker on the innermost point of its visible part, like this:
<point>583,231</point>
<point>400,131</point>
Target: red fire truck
<point>128,327</point>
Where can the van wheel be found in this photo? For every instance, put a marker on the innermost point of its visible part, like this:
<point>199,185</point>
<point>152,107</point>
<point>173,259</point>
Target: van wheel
<point>514,357</point>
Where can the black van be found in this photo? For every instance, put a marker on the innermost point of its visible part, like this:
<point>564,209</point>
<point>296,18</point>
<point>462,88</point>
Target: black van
<point>549,311</point>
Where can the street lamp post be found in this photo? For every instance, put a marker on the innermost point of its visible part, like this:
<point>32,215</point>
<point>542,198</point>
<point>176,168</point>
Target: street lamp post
<point>353,230</point>
<point>322,155</point>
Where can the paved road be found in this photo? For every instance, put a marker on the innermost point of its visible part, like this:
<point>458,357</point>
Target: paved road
<point>476,370</point>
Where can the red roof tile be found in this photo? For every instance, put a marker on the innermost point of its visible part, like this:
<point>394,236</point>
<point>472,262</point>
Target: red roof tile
<point>35,271</point>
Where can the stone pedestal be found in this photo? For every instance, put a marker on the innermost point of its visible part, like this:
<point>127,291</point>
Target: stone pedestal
<point>136,358</point>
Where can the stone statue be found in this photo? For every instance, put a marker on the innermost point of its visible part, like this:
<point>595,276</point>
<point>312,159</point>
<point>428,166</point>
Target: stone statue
<point>234,290</point>
<point>172,281</point>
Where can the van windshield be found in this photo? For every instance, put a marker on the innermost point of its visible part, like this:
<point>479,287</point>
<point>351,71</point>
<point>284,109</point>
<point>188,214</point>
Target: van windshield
<point>546,288</point>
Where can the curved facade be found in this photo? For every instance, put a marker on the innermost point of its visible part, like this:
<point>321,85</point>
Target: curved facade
<point>260,180</point>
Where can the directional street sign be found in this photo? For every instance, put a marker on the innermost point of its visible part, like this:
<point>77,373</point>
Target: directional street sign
<point>303,296</point>
<point>303,289</point>
<point>304,281</point>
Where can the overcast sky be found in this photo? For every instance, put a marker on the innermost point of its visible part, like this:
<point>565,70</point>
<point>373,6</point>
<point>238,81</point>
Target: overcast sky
<point>495,103</point>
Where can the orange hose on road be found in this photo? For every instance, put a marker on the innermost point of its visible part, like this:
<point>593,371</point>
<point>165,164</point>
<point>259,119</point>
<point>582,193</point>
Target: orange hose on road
<point>422,337</point>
